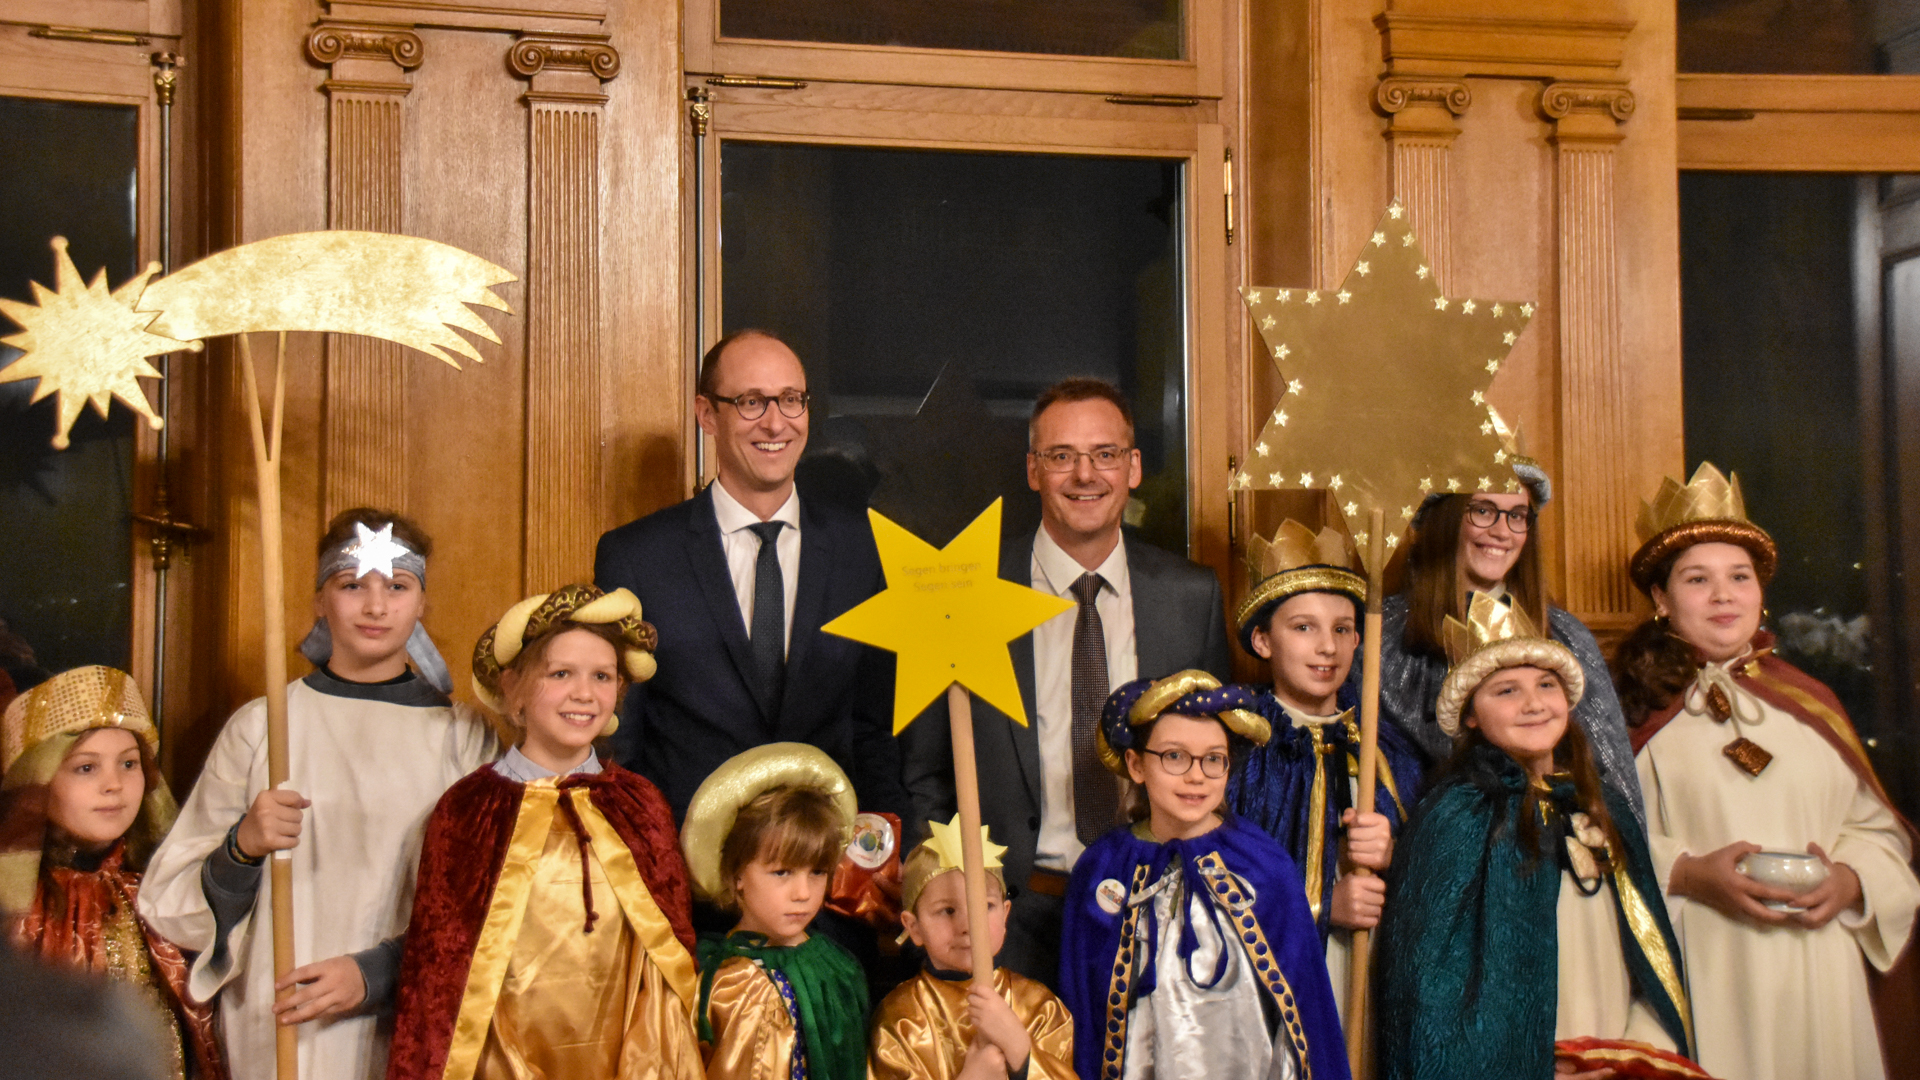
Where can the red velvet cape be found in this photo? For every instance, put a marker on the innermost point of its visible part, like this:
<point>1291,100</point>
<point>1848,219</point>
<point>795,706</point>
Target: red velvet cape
<point>1801,696</point>
<point>460,862</point>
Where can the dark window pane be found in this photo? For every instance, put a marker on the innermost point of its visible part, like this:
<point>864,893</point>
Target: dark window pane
<point>67,590</point>
<point>1142,29</point>
<point>1796,37</point>
<point>934,295</point>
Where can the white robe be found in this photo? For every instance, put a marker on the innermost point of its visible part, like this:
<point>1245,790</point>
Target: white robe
<point>1596,998</point>
<point>374,771</point>
<point>1777,1003</point>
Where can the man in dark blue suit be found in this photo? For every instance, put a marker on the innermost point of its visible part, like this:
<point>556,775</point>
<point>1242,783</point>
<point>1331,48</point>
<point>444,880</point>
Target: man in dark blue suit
<point>738,580</point>
<point>1140,612</point>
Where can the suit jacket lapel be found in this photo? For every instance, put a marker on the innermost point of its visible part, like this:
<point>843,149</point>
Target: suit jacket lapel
<point>709,563</point>
<point>1153,652</point>
<point>1016,565</point>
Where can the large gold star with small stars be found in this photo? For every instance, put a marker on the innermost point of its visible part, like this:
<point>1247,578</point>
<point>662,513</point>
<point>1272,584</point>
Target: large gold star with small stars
<point>1386,383</point>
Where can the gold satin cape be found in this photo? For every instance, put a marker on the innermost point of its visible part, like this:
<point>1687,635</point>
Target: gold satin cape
<point>544,999</point>
<point>753,1031</point>
<point>923,1028</point>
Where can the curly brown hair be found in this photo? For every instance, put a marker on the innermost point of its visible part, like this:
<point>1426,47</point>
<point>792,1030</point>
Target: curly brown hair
<point>1652,664</point>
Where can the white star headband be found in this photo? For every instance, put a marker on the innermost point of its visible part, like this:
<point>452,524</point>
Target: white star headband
<point>370,551</point>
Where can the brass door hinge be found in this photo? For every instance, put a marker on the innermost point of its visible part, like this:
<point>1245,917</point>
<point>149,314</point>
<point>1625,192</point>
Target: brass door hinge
<point>81,33</point>
<point>756,82</point>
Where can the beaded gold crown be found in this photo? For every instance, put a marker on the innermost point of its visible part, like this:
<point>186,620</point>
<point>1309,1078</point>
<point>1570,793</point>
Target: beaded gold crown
<point>1496,635</point>
<point>1296,560</point>
<point>1707,509</point>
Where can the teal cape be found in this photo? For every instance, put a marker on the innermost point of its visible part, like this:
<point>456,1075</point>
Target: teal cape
<point>1467,957</point>
<point>829,989</point>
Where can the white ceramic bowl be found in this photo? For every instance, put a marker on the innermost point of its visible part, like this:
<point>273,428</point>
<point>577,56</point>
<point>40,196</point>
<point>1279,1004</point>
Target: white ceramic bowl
<point>1795,871</point>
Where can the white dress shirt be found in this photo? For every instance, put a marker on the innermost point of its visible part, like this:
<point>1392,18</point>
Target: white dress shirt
<point>1054,572</point>
<point>742,548</point>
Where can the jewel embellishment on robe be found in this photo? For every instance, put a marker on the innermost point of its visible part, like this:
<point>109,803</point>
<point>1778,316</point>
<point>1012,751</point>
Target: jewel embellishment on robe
<point>1586,839</point>
<point>1750,756</point>
<point>1717,702</point>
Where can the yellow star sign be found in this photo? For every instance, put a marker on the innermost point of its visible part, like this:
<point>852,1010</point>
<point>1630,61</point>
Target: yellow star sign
<point>1386,390</point>
<point>948,615</point>
<point>945,843</point>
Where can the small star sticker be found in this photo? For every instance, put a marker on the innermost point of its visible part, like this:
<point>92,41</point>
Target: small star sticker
<point>1280,417</point>
<point>1426,484</point>
<point>1527,310</point>
<point>1253,296</point>
<point>1293,386</point>
<point>1497,309</point>
<point>1500,457</point>
<point>1479,398</point>
<point>1392,542</point>
<point>375,551</point>
<point>1394,211</point>
<point>1360,538</point>
<point>1306,479</point>
<point>1313,297</point>
<point>1406,240</point>
<point>1273,479</point>
<point>1260,449</point>
<point>1509,337</point>
<point>1421,272</point>
<point>1493,366</point>
<point>1282,295</point>
<point>1452,484</point>
<point>1266,323</point>
<point>1344,295</point>
<point>1379,239</point>
<point>1280,352</point>
<point>1406,513</point>
<point>1439,303</point>
<point>1335,482</point>
<point>1486,483</point>
<point>1466,307</point>
<point>1240,478</point>
<point>1362,269</point>
<point>1351,509</point>
<point>1513,485</point>
<point>1486,428</point>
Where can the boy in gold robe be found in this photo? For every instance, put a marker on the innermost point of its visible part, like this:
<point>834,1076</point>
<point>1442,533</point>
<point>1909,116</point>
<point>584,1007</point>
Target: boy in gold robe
<point>939,1026</point>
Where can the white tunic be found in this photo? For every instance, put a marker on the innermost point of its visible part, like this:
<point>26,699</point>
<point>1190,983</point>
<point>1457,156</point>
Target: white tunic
<point>1596,996</point>
<point>374,771</point>
<point>1777,1003</point>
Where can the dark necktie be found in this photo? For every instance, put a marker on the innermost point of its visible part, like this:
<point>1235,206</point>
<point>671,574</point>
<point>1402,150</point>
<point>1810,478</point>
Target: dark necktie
<point>768,635</point>
<point>1096,801</point>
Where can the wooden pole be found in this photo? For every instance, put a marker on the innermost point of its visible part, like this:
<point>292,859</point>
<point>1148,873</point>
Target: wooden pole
<point>966,783</point>
<point>266,463</point>
<point>1357,1021</point>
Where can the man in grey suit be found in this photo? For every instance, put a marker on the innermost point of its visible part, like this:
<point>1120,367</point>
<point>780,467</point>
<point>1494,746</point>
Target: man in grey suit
<point>1139,612</point>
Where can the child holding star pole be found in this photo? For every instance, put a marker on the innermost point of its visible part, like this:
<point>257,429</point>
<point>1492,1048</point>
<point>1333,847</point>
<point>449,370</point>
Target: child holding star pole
<point>370,745</point>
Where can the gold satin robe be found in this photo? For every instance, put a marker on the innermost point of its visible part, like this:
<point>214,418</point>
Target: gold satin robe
<point>753,1033</point>
<point>922,1030</point>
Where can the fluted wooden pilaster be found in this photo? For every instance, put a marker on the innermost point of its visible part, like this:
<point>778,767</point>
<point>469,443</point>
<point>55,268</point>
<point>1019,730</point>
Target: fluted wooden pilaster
<point>564,440</point>
<point>1595,503</point>
<point>1421,130</point>
<point>364,439</point>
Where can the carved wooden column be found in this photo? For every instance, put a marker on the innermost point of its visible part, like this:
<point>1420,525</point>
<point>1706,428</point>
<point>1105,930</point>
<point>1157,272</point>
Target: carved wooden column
<point>1595,503</point>
<point>364,441</point>
<point>564,438</point>
<point>1421,129</point>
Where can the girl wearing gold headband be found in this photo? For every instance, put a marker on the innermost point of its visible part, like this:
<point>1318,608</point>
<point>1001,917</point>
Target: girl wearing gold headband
<point>82,808</point>
<point>372,741</point>
<point>552,925</point>
<point>1788,870</point>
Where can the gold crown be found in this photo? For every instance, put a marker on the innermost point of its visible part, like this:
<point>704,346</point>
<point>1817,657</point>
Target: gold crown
<point>1294,545</point>
<point>1488,621</point>
<point>72,702</point>
<point>1709,496</point>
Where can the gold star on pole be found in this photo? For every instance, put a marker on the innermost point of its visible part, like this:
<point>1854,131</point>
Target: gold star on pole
<point>948,616</point>
<point>1398,361</point>
<point>86,344</point>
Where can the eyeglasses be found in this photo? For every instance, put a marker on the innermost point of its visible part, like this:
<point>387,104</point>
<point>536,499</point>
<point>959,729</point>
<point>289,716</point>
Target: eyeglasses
<point>1484,514</point>
<point>793,404</point>
<point>1104,458</point>
<point>1179,763</point>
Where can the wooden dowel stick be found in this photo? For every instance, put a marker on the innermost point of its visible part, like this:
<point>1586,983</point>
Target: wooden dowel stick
<point>266,463</point>
<point>1357,1021</point>
<point>966,783</point>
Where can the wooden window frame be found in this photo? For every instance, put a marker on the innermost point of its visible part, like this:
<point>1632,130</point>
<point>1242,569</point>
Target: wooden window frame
<point>1196,76</point>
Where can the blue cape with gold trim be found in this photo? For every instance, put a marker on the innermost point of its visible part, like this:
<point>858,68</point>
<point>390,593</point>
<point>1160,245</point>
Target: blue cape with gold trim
<point>1106,958</point>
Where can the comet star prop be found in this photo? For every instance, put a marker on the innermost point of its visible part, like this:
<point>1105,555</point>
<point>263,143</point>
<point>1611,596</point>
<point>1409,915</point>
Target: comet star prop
<point>1386,386</point>
<point>1385,401</point>
<point>948,615</point>
<point>84,343</point>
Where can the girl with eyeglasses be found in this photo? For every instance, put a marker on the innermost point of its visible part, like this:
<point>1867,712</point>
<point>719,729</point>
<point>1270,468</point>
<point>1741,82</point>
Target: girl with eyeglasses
<point>1482,541</point>
<point>1187,948</point>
